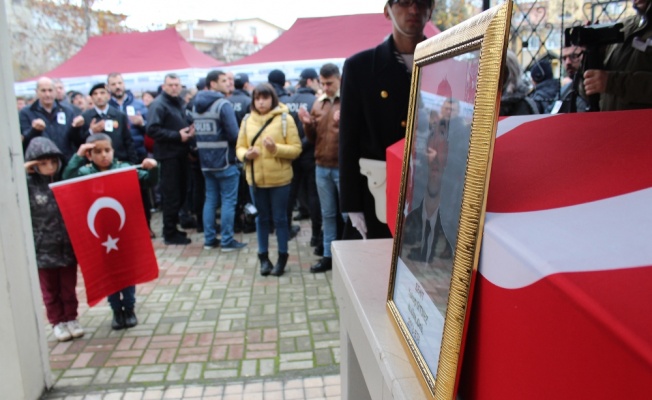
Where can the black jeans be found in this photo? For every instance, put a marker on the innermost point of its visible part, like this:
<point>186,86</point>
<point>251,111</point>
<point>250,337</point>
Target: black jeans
<point>303,170</point>
<point>173,186</point>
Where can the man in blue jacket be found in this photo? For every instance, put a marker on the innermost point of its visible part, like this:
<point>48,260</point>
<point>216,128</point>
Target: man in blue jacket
<point>216,130</point>
<point>48,118</point>
<point>124,100</point>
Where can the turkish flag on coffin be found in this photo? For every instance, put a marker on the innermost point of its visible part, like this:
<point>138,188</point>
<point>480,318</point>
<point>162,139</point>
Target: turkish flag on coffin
<point>561,308</point>
<point>106,222</point>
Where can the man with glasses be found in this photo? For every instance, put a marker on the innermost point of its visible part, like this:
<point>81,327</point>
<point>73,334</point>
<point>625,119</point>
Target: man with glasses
<point>571,57</point>
<point>375,93</point>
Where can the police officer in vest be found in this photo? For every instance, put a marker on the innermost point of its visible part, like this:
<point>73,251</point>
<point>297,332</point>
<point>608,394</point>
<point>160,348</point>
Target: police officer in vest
<point>216,132</point>
<point>241,97</point>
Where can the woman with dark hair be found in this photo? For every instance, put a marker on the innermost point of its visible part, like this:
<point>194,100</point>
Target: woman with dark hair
<point>267,143</point>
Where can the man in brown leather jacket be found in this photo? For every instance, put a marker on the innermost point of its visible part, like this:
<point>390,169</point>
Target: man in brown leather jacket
<point>322,127</point>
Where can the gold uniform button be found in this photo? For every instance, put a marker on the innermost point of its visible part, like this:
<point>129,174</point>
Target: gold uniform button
<point>384,94</point>
<point>403,124</point>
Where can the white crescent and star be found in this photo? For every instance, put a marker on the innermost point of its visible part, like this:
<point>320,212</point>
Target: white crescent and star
<point>99,204</point>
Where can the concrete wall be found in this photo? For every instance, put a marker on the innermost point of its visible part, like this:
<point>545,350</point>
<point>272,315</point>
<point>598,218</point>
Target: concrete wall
<point>24,370</point>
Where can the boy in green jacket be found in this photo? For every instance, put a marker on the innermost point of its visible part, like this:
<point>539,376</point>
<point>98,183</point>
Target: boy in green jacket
<point>99,149</point>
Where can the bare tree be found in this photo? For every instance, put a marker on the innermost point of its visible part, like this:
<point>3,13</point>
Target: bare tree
<point>46,33</point>
<point>448,13</point>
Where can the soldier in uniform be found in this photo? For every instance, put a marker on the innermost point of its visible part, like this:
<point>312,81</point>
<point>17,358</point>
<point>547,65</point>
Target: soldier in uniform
<point>375,95</point>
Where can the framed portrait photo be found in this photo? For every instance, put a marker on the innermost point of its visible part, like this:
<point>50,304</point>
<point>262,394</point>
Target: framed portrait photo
<point>453,114</point>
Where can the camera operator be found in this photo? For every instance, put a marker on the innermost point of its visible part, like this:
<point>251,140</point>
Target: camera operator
<point>626,81</point>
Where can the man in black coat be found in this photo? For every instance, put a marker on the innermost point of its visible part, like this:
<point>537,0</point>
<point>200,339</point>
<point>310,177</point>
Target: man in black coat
<point>241,97</point>
<point>170,127</point>
<point>276,78</point>
<point>50,119</point>
<point>303,168</point>
<point>375,95</point>
<point>103,118</point>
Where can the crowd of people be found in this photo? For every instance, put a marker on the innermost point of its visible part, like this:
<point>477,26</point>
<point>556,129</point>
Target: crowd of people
<point>258,153</point>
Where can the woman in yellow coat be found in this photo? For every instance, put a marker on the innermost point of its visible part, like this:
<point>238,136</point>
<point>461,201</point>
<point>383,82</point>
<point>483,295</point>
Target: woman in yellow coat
<point>267,143</point>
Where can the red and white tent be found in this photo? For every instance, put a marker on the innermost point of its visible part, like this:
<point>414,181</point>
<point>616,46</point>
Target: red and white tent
<point>312,42</point>
<point>142,57</point>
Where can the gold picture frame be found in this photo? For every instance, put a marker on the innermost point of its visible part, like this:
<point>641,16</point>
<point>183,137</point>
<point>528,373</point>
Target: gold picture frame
<point>452,119</point>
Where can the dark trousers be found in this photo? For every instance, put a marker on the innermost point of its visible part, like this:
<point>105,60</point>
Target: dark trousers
<point>59,296</point>
<point>125,302</point>
<point>147,203</point>
<point>174,184</point>
<point>195,194</point>
<point>304,177</point>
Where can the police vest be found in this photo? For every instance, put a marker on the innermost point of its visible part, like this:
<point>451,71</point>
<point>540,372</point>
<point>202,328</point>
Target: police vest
<point>214,151</point>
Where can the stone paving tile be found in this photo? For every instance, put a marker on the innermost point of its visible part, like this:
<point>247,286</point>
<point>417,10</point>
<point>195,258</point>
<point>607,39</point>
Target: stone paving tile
<point>210,327</point>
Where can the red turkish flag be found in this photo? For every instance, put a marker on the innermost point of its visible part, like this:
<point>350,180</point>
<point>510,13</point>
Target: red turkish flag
<point>106,222</point>
<point>561,308</point>
<point>561,303</point>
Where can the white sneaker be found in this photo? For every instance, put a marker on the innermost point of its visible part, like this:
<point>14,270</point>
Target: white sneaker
<point>61,332</point>
<point>75,329</point>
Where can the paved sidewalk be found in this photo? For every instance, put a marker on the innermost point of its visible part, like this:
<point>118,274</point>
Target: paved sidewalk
<point>210,327</point>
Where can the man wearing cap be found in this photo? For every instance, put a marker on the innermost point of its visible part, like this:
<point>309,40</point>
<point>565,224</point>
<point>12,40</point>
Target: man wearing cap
<point>303,180</point>
<point>323,129</point>
<point>276,78</point>
<point>546,87</point>
<point>375,96</point>
<point>103,118</point>
<point>241,97</point>
<point>49,118</point>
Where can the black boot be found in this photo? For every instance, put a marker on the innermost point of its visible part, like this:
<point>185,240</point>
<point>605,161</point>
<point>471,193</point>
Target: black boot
<point>325,264</point>
<point>265,264</point>
<point>130,318</point>
<point>279,268</point>
<point>118,320</point>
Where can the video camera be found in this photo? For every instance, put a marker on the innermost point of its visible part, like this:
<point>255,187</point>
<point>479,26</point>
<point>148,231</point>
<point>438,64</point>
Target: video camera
<point>592,37</point>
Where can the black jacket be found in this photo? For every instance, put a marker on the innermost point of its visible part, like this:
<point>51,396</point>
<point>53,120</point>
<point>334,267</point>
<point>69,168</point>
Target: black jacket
<point>63,135</point>
<point>517,103</point>
<point>166,117</point>
<point>283,95</point>
<point>545,94</point>
<point>123,143</point>
<point>303,98</point>
<point>241,101</point>
<point>51,240</point>
<point>375,94</point>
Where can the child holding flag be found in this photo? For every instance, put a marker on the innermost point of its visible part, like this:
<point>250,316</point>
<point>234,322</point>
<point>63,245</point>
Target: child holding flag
<point>57,265</point>
<point>99,149</point>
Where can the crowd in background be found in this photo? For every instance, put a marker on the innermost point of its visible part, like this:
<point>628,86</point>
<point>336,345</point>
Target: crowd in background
<point>258,154</point>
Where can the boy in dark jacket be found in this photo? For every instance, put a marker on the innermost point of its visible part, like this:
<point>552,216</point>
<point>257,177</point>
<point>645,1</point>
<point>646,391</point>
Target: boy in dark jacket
<point>99,149</point>
<point>57,265</point>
